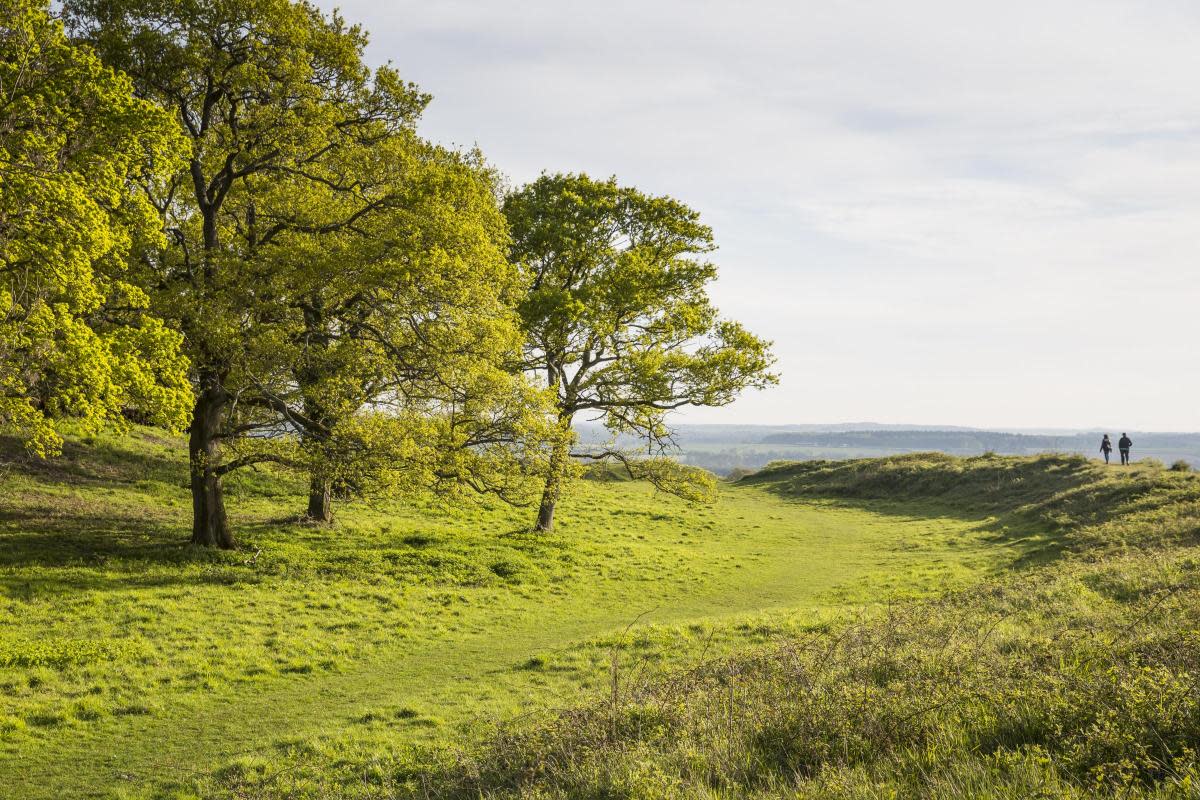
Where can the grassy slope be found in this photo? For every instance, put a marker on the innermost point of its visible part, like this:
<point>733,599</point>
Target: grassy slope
<point>127,659</point>
<point>1076,678</point>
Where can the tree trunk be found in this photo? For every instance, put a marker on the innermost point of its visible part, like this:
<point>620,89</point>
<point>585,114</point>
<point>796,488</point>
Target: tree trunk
<point>558,462</point>
<point>320,495</point>
<point>309,375</point>
<point>545,520</point>
<point>210,525</point>
<point>320,489</point>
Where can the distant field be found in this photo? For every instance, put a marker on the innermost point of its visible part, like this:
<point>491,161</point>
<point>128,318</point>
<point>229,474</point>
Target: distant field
<point>129,661</point>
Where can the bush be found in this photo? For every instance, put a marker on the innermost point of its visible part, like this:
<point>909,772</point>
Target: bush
<point>1181,466</point>
<point>737,473</point>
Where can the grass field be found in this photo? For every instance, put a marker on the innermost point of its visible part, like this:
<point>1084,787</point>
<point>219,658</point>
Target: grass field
<point>132,663</point>
<point>1073,678</point>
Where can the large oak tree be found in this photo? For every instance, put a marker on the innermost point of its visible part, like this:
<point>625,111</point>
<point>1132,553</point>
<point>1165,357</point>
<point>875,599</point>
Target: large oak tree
<point>618,320</point>
<point>305,230</point>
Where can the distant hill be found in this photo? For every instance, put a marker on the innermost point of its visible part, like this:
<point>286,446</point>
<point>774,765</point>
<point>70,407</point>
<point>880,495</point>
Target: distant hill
<point>724,448</point>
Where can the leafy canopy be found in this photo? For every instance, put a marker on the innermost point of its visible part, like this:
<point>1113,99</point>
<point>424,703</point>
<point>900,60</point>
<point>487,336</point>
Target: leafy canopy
<point>326,265</point>
<point>618,319</point>
<point>278,105</point>
<point>404,326</point>
<point>76,340</point>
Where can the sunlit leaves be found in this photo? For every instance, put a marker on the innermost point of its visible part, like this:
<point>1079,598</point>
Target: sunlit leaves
<point>76,340</point>
<point>340,281</point>
<point>618,318</point>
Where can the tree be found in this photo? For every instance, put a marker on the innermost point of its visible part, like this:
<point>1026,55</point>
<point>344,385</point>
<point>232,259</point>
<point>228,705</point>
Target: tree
<point>411,311</point>
<point>342,284</point>
<point>619,322</point>
<point>76,340</point>
<point>274,98</point>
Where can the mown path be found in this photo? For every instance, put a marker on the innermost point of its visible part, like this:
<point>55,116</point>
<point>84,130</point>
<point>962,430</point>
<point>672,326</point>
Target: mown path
<point>763,554</point>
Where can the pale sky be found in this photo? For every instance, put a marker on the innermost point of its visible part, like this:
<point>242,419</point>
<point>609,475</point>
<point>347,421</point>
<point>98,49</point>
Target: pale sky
<point>941,212</point>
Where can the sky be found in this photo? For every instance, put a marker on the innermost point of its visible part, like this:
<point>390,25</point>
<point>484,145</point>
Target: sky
<point>961,213</point>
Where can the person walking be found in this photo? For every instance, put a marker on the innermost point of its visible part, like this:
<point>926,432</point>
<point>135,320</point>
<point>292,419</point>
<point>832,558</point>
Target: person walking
<point>1106,447</point>
<point>1124,443</point>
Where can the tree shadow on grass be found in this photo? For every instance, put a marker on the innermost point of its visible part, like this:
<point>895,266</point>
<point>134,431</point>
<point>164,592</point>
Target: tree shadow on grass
<point>1033,542</point>
<point>51,554</point>
<point>109,513</point>
<point>37,535</point>
<point>31,587</point>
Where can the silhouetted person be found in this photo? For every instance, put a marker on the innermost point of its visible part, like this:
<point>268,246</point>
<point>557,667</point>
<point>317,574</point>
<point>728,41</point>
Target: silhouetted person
<point>1124,443</point>
<point>1106,447</point>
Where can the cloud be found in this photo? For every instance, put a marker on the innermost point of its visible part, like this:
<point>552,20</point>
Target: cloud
<point>940,211</point>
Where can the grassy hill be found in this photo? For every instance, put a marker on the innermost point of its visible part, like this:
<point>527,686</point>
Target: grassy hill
<point>319,662</point>
<point>914,626</point>
<point>1075,678</point>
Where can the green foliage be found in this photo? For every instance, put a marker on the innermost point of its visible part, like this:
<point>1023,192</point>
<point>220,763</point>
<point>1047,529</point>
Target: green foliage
<point>323,260</point>
<point>76,339</point>
<point>276,102</point>
<point>617,317</point>
<point>485,445</point>
<point>412,312</point>
<point>668,475</point>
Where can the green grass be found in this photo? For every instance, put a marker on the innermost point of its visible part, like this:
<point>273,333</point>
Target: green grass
<point>1074,678</point>
<point>1080,683</point>
<point>130,662</point>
